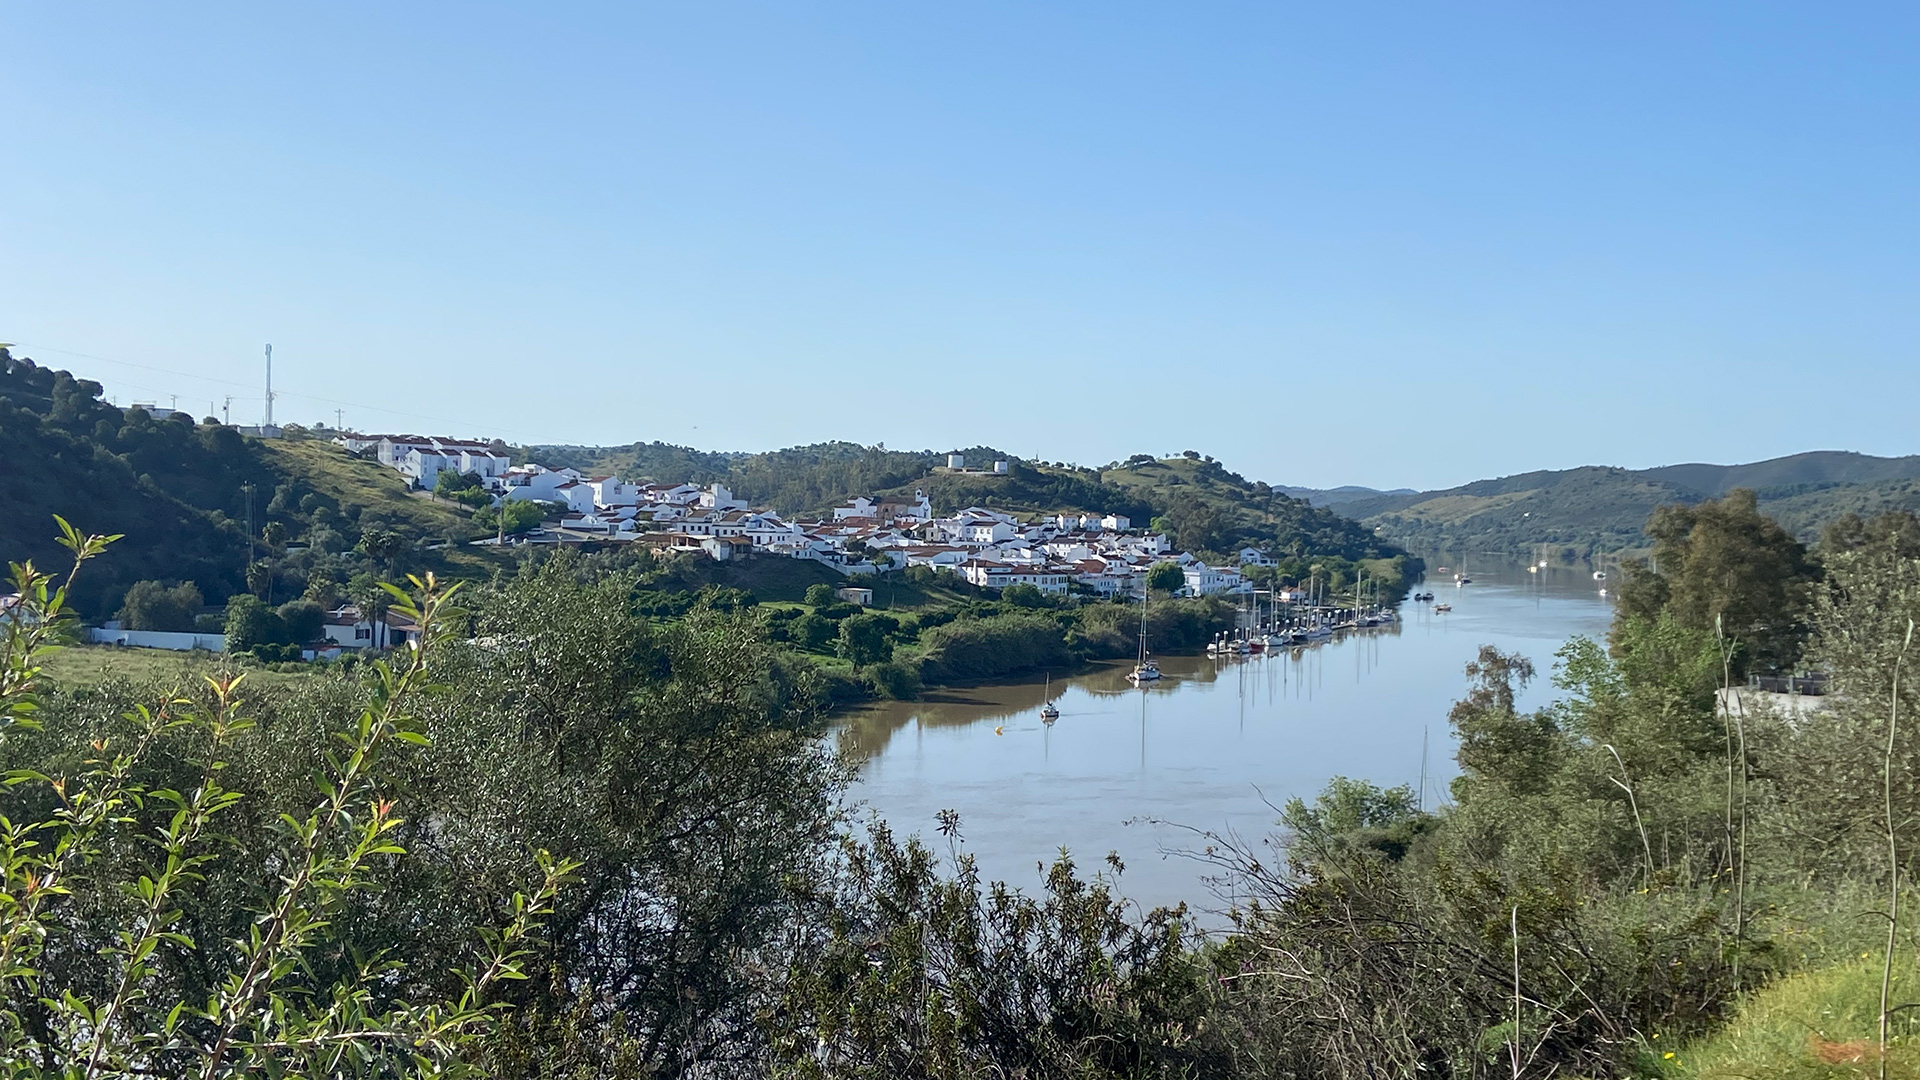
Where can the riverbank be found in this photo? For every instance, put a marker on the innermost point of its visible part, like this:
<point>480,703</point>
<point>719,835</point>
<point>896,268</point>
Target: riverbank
<point>860,655</point>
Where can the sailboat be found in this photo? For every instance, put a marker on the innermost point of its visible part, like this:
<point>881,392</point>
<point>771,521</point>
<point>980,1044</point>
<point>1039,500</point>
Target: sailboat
<point>1048,712</point>
<point>1144,670</point>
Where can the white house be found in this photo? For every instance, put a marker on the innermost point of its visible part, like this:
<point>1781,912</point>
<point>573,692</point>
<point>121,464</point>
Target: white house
<point>348,628</point>
<point>609,491</point>
<point>354,442</point>
<point>766,530</point>
<point>672,494</point>
<point>422,458</point>
<point>992,575</point>
<point>577,495</point>
<point>985,532</point>
<point>718,497</point>
<point>535,482</point>
<point>1204,580</point>
<point>724,548</point>
<point>1108,577</point>
<point>943,556</point>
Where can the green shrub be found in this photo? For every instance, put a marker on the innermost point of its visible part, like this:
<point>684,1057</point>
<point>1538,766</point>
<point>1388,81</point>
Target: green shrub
<point>812,632</point>
<point>150,605</point>
<point>896,680</point>
<point>971,649</point>
<point>160,948</point>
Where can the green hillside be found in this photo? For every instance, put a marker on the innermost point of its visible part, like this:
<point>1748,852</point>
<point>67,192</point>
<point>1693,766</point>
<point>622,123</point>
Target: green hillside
<point>1205,507</point>
<point>179,491</point>
<point>1602,509</point>
<point>804,481</point>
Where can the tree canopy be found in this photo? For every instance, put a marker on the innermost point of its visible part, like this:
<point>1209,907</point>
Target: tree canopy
<point>1723,565</point>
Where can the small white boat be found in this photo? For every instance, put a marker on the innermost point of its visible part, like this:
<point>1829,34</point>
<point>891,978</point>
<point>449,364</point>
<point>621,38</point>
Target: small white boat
<point>1599,575</point>
<point>1048,712</point>
<point>1146,672</point>
<point>1442,608</point>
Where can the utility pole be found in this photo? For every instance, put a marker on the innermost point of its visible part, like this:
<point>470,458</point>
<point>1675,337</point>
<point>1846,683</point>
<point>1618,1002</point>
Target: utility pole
<point>339,421</point>
<point>269,422</point>
<point>175,402</point>
<point>248,488</point>
<point>226,412</point>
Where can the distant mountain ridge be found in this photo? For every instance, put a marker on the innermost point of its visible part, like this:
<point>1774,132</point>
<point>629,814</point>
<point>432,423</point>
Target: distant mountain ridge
<point>1826,467</point>
<point>1335,498</point>
<point>1602,508</point>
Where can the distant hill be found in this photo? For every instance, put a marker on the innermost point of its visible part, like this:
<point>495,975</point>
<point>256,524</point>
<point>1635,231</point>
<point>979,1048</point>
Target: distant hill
<point>1821,468</point>
<point>1600,509</point>
<point>178,491</point>
<point>1334,498</point>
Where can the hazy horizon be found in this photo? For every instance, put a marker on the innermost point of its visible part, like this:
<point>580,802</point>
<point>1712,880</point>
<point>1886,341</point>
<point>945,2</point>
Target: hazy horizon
<point>1325,248</point>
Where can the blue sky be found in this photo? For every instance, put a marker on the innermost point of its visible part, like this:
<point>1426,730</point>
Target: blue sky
<point>1329,243</point>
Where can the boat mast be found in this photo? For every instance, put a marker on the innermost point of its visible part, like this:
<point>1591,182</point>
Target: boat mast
<point>1146,595</point>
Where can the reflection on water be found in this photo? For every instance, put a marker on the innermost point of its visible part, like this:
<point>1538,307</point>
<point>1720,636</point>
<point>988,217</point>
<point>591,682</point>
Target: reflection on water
<point>1210,744</point>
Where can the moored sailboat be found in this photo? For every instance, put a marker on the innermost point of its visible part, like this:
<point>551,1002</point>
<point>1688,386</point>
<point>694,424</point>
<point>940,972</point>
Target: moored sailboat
<point>1144,669</point>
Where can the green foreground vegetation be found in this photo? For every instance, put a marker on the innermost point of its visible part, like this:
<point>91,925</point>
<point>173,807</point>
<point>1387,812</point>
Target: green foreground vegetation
<point>572,837</point>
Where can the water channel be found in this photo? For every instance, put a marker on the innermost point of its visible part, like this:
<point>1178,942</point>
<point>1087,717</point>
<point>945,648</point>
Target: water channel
<point>1211,744</point>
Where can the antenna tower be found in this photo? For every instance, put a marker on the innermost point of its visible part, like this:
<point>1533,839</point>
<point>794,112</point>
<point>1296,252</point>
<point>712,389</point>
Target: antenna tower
<point>269,386</point>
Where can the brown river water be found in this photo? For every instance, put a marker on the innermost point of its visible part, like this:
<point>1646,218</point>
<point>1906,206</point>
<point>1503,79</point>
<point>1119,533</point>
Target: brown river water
<point>1210,745</point>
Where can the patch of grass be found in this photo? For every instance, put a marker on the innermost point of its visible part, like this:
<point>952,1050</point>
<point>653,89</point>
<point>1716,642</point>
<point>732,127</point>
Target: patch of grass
<point>375,488</point>
<point>894,593</point>
<point>1815,1024</point>
<point>86,665</point>
<point>767,577</point>
<point>1454,509</point>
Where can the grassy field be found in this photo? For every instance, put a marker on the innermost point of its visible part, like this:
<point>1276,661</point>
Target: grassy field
<point>378,490</point>
<point>83,665</point>
<point>1816,1024</point>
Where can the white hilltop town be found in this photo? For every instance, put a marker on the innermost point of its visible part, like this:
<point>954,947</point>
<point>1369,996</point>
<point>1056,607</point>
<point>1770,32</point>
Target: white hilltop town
<point>1102,554</point>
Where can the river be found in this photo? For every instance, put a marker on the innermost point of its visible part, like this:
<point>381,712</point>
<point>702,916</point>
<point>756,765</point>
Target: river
<point>1212,743</point>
